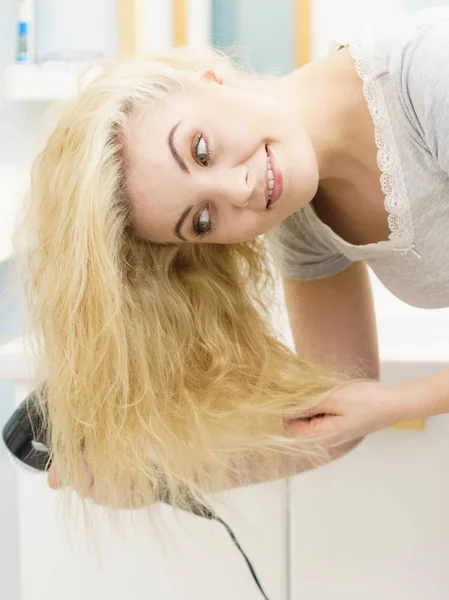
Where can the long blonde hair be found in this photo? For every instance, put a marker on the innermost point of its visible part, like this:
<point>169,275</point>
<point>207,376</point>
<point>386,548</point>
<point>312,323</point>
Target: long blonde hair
<point>161,363</point>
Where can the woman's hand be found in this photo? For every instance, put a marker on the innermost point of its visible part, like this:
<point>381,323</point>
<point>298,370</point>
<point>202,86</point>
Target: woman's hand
<point>88,491</point>
<point>54,481</point>
<point>353,411</point>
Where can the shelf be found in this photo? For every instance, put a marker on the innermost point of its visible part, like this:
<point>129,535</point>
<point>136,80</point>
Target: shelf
<point>40,83</point>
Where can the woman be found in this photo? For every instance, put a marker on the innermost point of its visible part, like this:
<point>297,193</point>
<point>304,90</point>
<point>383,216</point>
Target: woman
<point>148,268</point>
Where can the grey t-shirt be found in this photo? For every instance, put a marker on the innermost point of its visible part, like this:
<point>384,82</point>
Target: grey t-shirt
<point>404,65</point>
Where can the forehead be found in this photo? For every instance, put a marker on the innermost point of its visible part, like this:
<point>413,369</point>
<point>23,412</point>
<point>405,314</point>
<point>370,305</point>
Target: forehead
<point>149,126</point>
<point>153,179</point>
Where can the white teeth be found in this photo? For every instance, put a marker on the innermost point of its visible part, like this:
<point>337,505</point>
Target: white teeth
<point>270,175</point>
<point>270,172</point>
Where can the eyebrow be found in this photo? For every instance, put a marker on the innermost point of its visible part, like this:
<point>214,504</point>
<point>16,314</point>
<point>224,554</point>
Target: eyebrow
<point>182,165</point>
<point>171,145</point>
<point>180,223</point>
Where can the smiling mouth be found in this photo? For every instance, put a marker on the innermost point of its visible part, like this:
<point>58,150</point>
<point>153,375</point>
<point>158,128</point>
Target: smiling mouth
<point>274,182</point>
<point>269,178</point>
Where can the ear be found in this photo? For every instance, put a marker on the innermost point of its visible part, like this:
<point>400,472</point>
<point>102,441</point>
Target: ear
<point>210,75</point>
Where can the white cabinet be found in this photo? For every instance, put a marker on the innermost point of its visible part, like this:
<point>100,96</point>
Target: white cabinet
<point>199,560</point>
<point>375,524</point>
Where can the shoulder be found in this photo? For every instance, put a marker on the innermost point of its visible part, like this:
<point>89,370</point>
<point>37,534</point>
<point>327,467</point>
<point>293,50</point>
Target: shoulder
<point>423,83</point>
<point>385,43</point>
<point>412,53</point>
<point>425,48</point>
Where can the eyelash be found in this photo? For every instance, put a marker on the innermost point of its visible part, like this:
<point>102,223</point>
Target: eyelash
<point>211,229</point>
<point>196,141</point>
<point>209,151</point>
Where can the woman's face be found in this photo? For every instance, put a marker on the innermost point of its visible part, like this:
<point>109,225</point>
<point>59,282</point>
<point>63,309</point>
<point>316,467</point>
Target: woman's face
<point>199,167</point>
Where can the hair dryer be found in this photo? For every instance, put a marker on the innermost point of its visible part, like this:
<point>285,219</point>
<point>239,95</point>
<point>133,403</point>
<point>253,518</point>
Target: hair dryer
<point>25,438</point>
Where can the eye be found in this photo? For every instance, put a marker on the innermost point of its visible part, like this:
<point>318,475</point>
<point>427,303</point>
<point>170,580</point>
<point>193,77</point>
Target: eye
<point>204,225</point>
<point>202,151</point>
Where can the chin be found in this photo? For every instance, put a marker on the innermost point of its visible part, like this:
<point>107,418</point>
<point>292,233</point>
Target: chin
<point>285,208</point>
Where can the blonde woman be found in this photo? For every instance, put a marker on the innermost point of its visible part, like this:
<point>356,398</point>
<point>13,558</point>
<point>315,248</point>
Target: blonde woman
<point>152,206</point>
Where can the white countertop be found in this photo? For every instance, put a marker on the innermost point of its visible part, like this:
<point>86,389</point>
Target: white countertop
<point>418,340</point>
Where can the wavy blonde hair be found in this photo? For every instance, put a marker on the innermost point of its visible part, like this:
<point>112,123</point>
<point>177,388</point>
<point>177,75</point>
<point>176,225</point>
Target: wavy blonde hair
<point>161,363</point>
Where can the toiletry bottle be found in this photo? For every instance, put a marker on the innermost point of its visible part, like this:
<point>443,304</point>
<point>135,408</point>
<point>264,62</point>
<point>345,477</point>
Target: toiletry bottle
<point>25,51</point>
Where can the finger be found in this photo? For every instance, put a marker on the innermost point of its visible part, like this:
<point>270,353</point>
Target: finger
<point>87,490</point>
<point>53,478</point>
<point>88,475</point>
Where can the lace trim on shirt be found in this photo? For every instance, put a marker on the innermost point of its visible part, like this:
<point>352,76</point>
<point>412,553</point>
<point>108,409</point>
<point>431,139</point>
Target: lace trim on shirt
<point>396,202</point>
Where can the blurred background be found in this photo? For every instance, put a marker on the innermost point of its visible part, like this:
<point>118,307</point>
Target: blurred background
<point>39,63</point>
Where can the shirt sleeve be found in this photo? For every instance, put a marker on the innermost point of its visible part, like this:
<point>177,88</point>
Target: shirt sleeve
<point>300,252</point>
<point>425,85</point>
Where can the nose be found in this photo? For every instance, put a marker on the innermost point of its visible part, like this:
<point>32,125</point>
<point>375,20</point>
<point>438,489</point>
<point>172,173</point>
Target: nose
<point>230,185</point>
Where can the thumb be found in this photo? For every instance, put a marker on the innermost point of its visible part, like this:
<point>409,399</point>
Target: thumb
<point>319,426</point>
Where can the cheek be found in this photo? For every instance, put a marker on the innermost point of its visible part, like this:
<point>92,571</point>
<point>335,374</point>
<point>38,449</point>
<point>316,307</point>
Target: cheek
<point>271,113</point>
<point>247,226</point>
<point>243,114</point>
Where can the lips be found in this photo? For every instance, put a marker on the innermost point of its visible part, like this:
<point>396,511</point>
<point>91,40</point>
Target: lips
<point>278,180</point>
